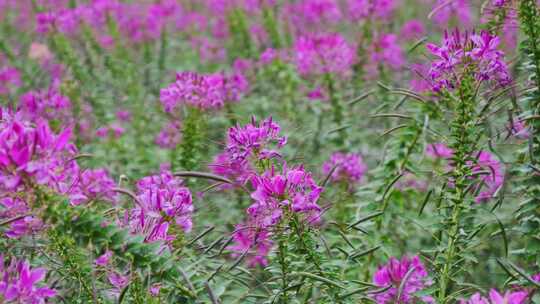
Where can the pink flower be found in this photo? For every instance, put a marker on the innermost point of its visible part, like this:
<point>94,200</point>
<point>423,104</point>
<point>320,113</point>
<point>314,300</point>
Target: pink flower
<point>255,243</point>
<point>48,105</point>
<point>104,259</point>
<point>162,202</point>
<point>238,171</point>
<point>293,189</point>
<point>254,139</point>
<point>489,175</point>
<point>439,150</point>
<point>349,167</point>
<point>10,78</point>
<point>393,273</point>
<point>169,136</point>
<point>34,153</point>
<point>317,94</point>
<point>90,185</point>
<point>457,53</point>
<point>119,281</point>
<point>202,91</point>
<point>19,283</point>
<point>386,50</point>
<point>518,129</point>
<point>367,9</point>
<point>509,297</point>
<point>447,11</point>
<point>412,29</point>
<point>321,54</point>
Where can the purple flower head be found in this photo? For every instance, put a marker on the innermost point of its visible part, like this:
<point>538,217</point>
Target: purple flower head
<point>412,29</point>
<point>489,175</point>
<point>439,150</point>
<point>255,243</point>
<point>317,94</point>
<point>518,129</point>
<point>104,259</point>
<point>366,9</point>
<point>411,181</point>
<point>461,54</point>
<point>10,78</point>
<point>293,189</point>
<point>33,153</point>
<point>309,15</point>
<point>90,185</point>
<point>162,201</point>
<point>238,171</point>
<point>48,105</point>
<point>385,51</point>
<point>20,284</point>
<point>170,135</point>
<point>447,11</point>
<point>394,274</point>
<point>201,91</point>
<point>16,207</point>
<point>349,167</point>
<point>322,54</point>
<point>509,297</point>
<point>254,139</point>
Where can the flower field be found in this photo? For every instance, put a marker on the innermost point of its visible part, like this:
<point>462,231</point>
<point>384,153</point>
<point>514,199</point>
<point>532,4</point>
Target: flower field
<point>270,151</point>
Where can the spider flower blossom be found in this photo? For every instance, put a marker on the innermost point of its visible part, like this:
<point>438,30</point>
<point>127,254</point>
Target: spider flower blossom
<point>34,152</point>
<point>446,11</point>
<point>364,9</point>
<point>237,171</point>
<point>490,175</point>
<point>393,274</point>
<point>439,150</point>
<point>459,54</point>
<point>169,136</point>
<point>9,78</point>
<point>162,201</point>
<point>49,105</point>
<point>20,284</point>
<point>349,167</point>
<point>93,184</point>
<point>293,188</point>
<point>322,54</point>
<point>15,207</point>
<point>509,297</point>
<point>253,139</point>
<point>309,15</point>
<point>201,91</point>
<point>256,244</point>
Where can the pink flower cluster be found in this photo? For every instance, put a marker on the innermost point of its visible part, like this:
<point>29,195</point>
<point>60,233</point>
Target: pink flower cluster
<point>49,105</point>
<point>20,284</point>
<point>509,297</point>
<point>487,171</point>
<point>349,167</point>
<point>324,53</point>
<point>209,91</point>
<point>238,171</point>
<point>255,243</point>
<point>138,22</point>
<point>162,201</point>
<point>33,155</point>
<point>366,9</point>
<point>490,175</point>
<point>393,274</point>
<point>10,78</point>
<point>169,136</point>
<point>254,139</point>
<point>461,54</point>
<point>293,189</point>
